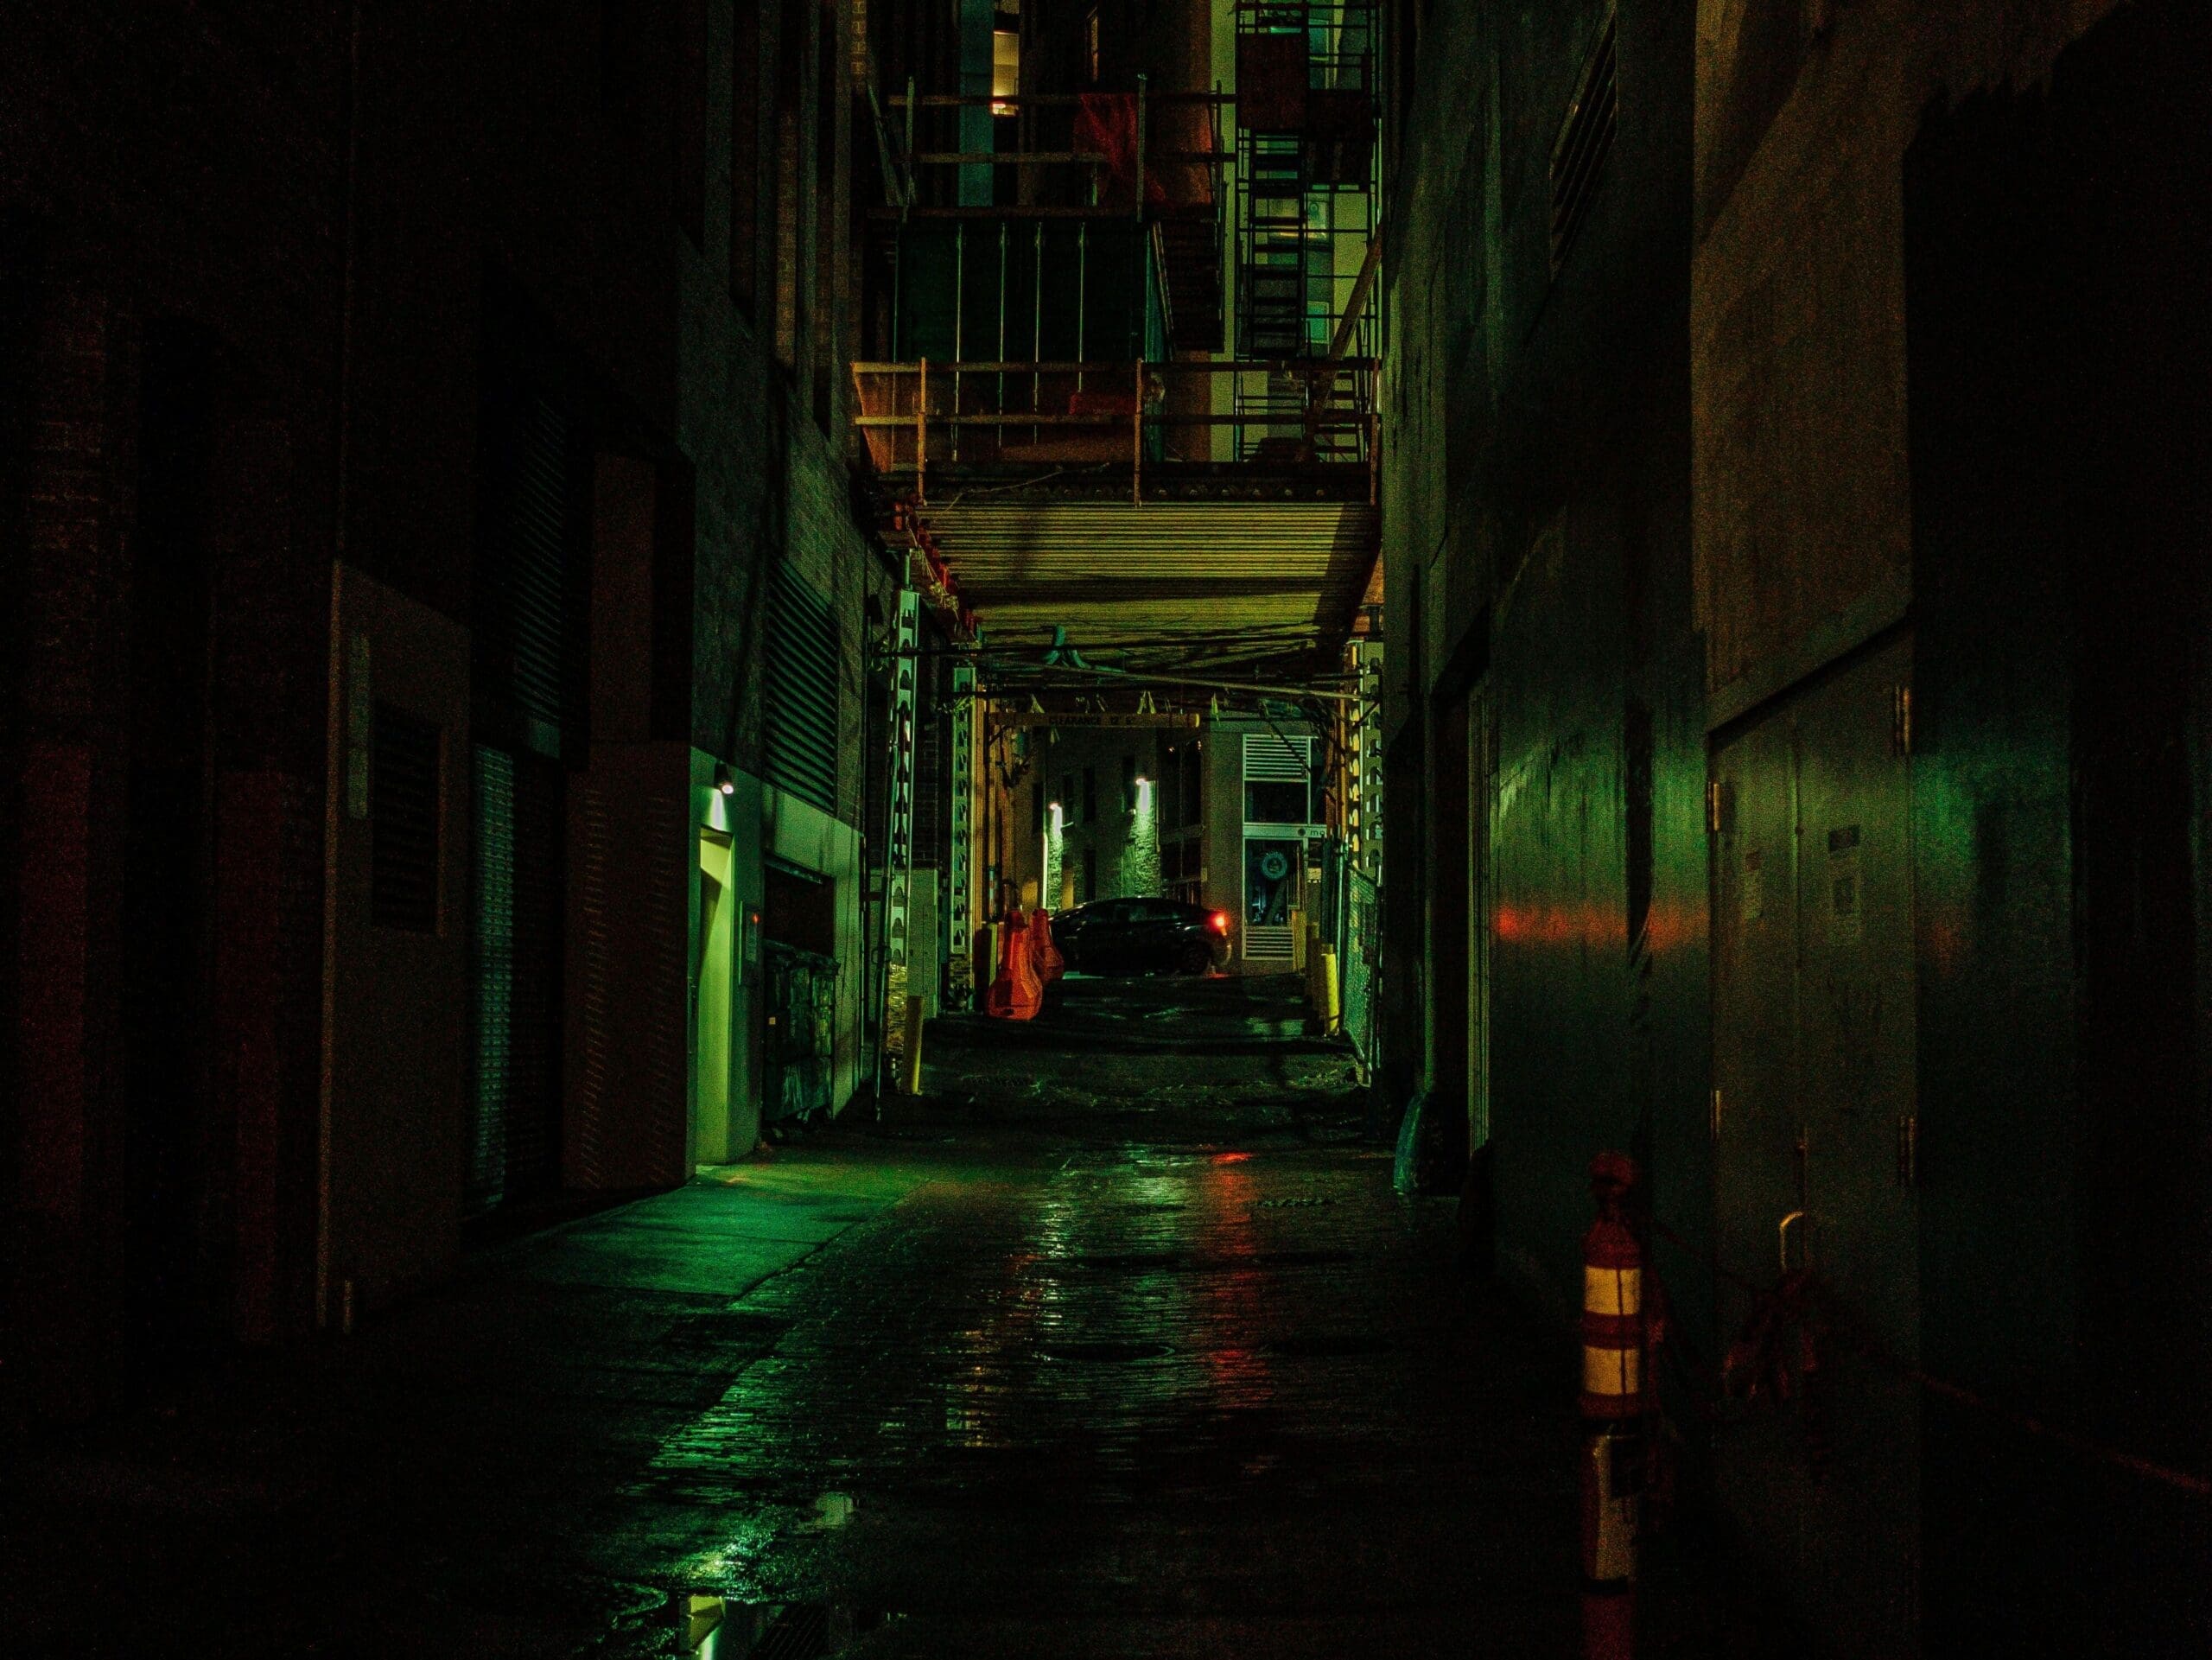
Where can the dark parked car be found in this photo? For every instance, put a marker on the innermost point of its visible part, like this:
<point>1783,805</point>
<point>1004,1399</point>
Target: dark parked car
<point>1142,936</point>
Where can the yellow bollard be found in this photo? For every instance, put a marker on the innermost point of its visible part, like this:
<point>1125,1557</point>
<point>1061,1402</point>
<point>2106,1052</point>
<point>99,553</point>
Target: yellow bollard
<point>1298,941</point>
<point>910,1069</point>
<point>1332,991</point>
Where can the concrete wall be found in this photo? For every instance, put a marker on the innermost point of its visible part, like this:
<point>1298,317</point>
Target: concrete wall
<point>1536,528</point>
<point>1804,393</point>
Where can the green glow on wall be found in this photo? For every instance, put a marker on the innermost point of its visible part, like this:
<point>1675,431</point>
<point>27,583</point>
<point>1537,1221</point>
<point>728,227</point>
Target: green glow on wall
<point>1048,891</point>
<point>1140,852</point>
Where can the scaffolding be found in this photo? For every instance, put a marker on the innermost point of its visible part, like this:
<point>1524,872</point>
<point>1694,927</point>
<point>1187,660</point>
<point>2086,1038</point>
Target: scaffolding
<point>1307,120</point>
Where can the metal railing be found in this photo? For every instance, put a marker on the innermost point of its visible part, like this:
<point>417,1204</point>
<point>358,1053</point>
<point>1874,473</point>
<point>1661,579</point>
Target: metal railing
<point>1065,415</point>
<point>1052,128</point>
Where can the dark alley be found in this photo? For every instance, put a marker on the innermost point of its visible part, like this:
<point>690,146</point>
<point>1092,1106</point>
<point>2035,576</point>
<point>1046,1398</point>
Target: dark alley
<point>1048,828</point>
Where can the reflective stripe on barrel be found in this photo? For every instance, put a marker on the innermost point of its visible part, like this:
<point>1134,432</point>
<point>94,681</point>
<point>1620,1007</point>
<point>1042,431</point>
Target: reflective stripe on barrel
<point>1612,1321</point>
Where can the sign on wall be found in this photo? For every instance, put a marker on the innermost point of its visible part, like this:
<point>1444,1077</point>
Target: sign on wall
<point>899,846</point>
<point>958,871</point>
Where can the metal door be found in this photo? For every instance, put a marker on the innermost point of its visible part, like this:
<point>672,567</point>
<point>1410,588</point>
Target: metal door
<point>1813,1119</point>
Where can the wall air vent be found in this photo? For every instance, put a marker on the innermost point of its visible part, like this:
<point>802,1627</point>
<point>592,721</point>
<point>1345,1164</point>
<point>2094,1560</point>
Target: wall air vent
<point>1585,138</point>
<point>804,681</point>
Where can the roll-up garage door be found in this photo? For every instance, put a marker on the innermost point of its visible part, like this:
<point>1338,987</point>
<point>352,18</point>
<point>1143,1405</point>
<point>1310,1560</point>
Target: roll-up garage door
<point>527,624</point>
<point>515,1140</point>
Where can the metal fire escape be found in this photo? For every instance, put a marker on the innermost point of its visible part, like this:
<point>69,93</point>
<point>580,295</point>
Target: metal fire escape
<point>1306,120</point>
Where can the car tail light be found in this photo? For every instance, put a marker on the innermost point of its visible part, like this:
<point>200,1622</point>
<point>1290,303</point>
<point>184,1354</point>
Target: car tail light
<point>1218,922</point>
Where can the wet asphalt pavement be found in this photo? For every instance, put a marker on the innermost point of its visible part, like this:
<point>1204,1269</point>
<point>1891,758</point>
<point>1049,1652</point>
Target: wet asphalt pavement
<point>1116,1342</point>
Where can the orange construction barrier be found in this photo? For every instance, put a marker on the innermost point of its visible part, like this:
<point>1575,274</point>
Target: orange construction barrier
<point>1051,965</point>
<point>1618,1331</point>
<point>1017,994</point>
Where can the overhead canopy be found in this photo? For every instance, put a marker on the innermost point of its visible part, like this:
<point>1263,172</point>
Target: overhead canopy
<point>1215,587</point>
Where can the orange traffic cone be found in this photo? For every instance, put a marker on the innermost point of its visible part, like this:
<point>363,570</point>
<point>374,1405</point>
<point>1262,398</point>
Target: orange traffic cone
<point>1017,993</point>
<point>1051,965</point>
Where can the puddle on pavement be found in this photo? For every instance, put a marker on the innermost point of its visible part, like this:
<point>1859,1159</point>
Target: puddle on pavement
<point>710,1627</point>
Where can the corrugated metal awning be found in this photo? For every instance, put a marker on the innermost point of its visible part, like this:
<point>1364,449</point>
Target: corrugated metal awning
<point>1164,585</point>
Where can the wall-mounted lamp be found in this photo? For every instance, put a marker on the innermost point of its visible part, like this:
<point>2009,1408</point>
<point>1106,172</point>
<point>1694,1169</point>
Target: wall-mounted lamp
<point>723,781</point>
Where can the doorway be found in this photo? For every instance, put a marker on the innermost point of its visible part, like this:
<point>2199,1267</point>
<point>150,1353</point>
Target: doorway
<point>1275,869</point>
<point>1813,1044</point>
<point>712,1006</point>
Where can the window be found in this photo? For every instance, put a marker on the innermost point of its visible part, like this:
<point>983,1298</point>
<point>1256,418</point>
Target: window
<point>1005,63</point>
<point>1278,780</point>
<point>1269,803</point>
<point>1090,796</point>
<point>1585,138</point>
<point>1091,44</point>
<point>829,122</point>
<point>790,295</point>
<point>746,104</point>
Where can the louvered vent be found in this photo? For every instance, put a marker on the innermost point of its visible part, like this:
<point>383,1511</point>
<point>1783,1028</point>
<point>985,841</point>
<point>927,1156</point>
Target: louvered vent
<point>803,685</point>
<point>529,594</point>
<point>404,823</point>
<point>1272,760</point>
<point>539,566</point>
<point>1585,138</point>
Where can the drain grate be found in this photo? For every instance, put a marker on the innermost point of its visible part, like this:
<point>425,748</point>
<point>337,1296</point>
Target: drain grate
<point>1131,1262</point>
<point>1176,1261</point>
<point>1103,1352</point>
<point>739,1328</point>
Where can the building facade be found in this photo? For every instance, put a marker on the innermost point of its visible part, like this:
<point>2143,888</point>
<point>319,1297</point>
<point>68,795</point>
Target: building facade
<point>443,658</point>
<point>1230,812</point>
<point>1792,697</point>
